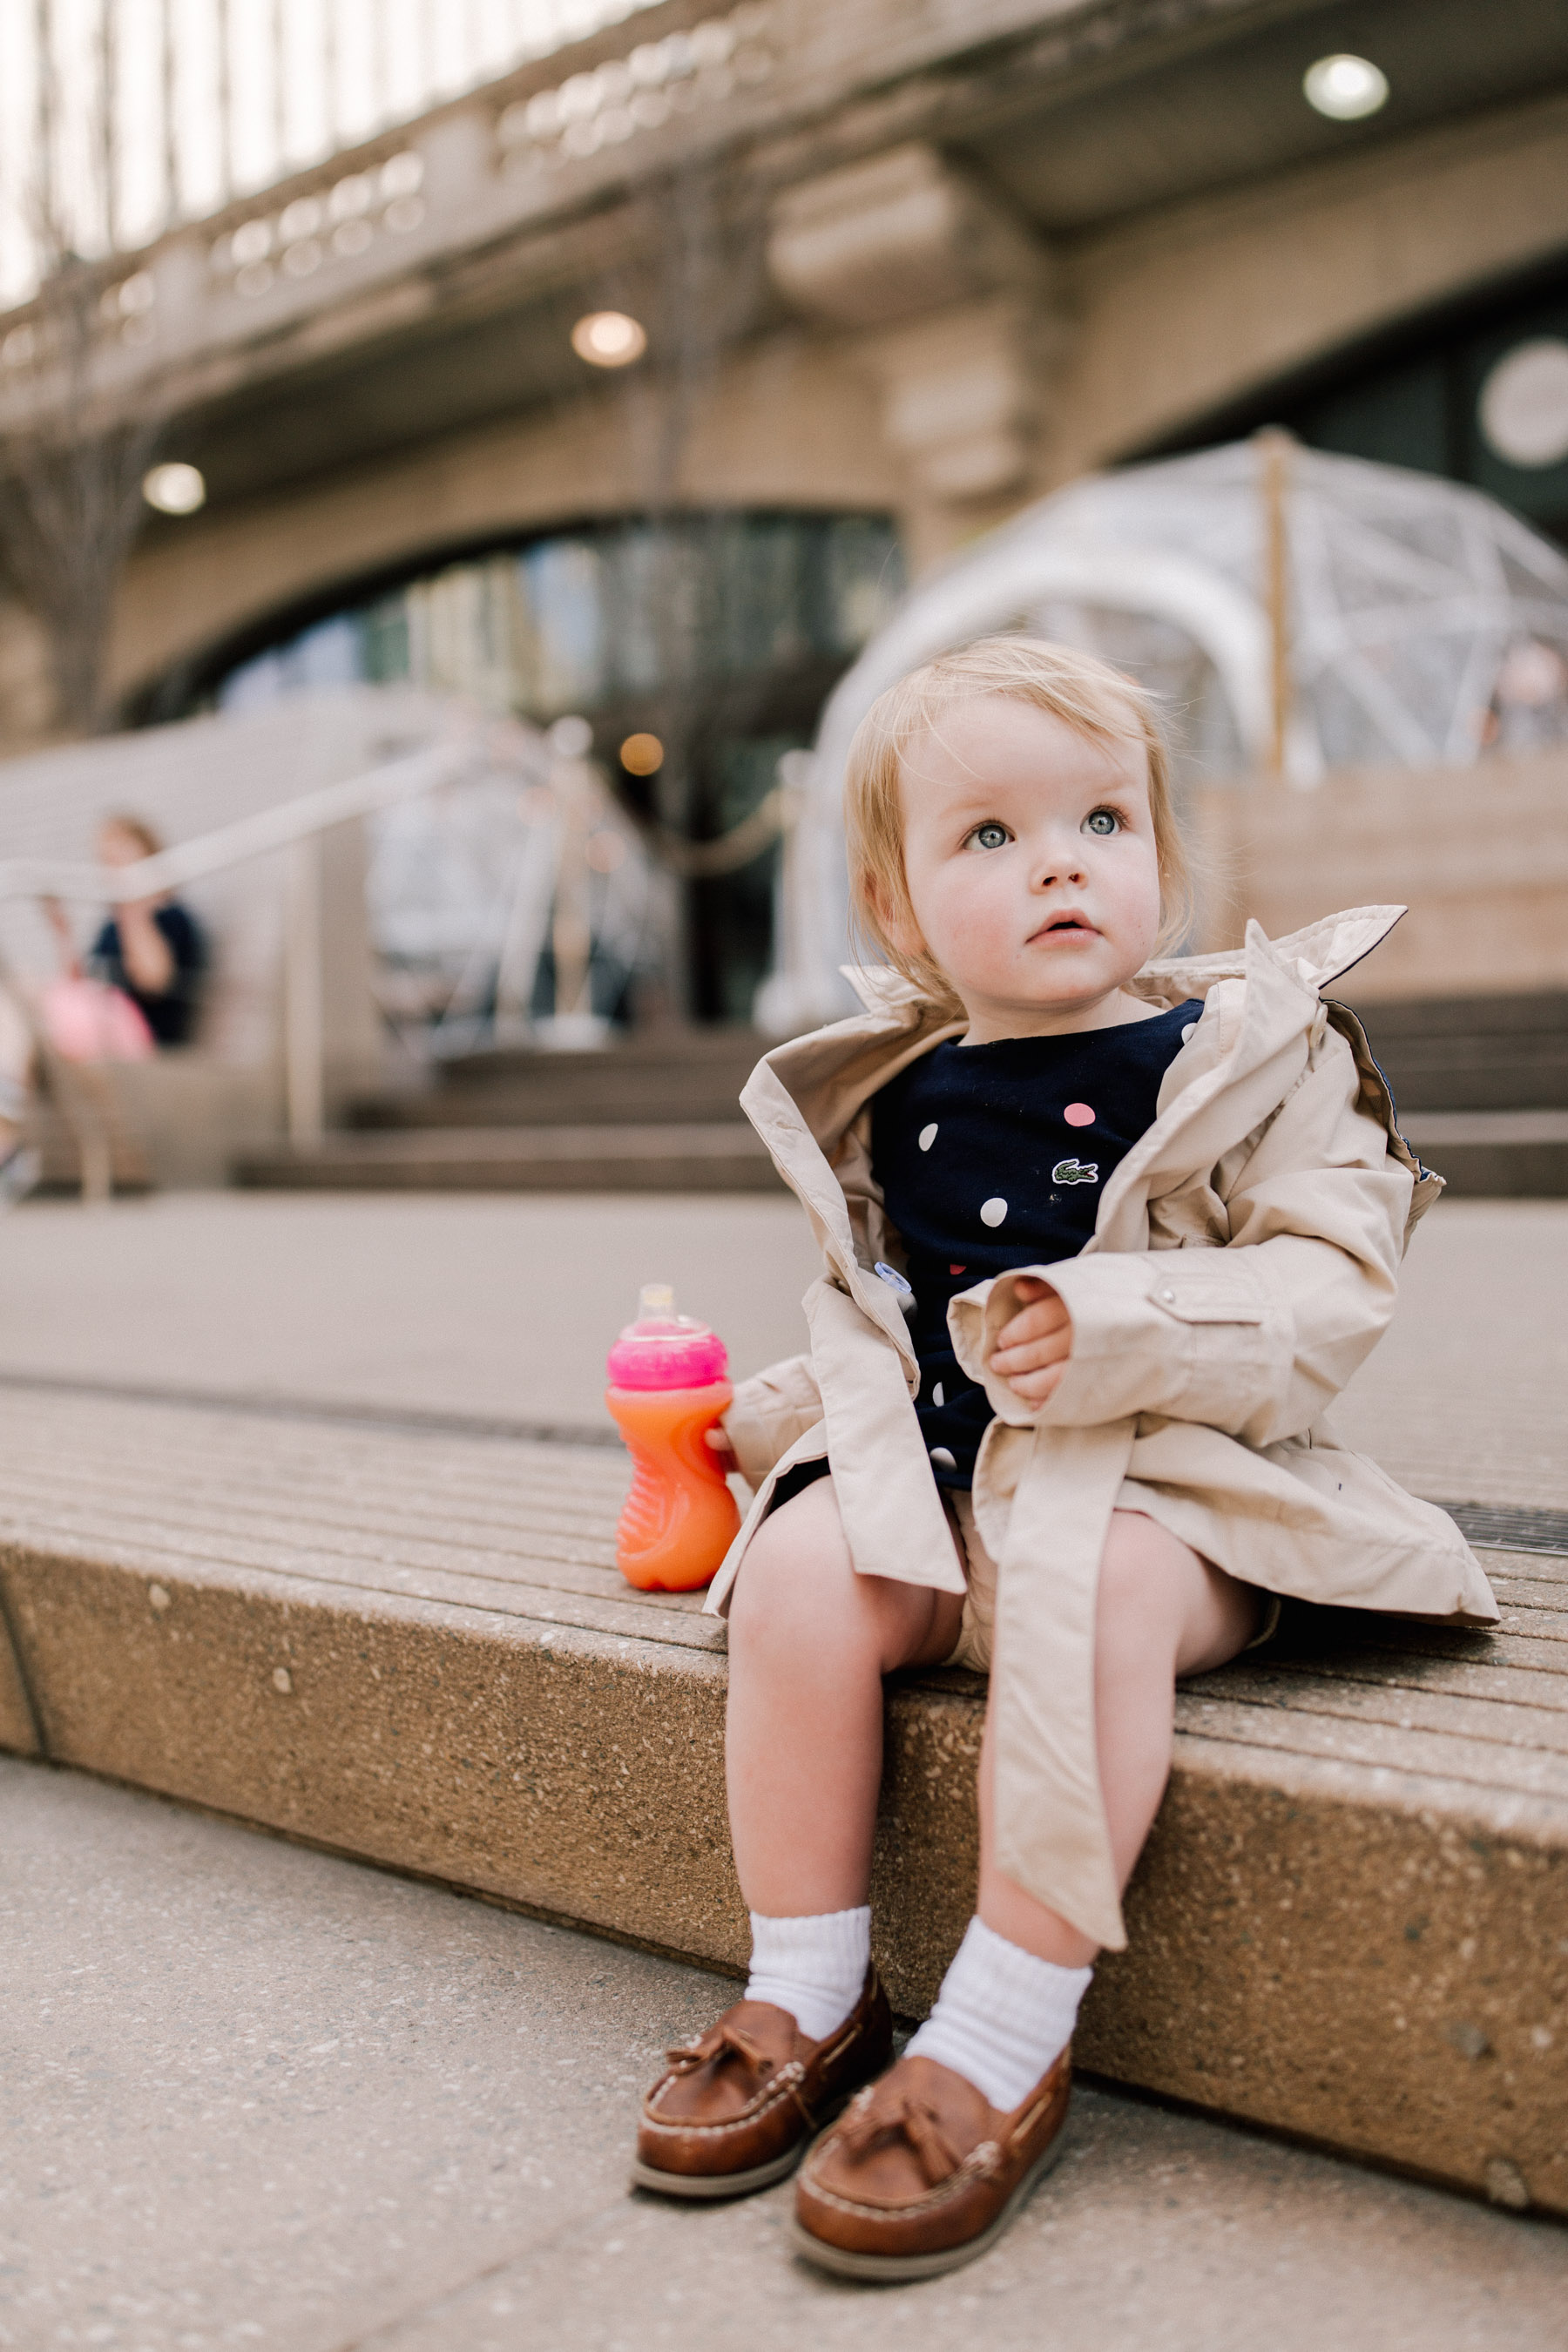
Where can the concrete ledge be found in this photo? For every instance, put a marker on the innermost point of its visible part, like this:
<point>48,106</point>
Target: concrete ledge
<point>727,1157</point>
<point>1501,1154</point>
<point>1351,1922</point>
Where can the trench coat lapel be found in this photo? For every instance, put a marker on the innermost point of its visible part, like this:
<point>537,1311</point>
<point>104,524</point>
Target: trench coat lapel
<point>1210,1116</point>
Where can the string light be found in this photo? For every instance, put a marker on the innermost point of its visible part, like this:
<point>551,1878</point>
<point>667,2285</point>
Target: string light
<point>642,755</point>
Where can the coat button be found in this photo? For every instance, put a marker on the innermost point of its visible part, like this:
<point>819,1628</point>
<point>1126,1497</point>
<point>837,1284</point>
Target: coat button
<point>1168,1297</point>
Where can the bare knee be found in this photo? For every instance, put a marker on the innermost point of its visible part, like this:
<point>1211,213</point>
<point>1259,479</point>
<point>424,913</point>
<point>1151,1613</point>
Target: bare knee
<point>1159,1599</point>
<point>797,1581</point>
<point>1148,1580</point>
<point>799,1592</point>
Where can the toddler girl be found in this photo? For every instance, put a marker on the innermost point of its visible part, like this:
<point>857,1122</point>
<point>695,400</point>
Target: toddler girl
<point>1102,1237</point>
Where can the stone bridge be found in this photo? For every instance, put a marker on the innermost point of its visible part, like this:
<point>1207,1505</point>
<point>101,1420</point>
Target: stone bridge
<point>926,261</point>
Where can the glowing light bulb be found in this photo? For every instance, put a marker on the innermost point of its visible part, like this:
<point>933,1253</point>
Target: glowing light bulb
<point>608,338</point>
<point>174,490</point>
<point>1344,88</point>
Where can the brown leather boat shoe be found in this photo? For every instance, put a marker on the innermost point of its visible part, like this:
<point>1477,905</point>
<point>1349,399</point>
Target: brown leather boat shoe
<point>921,2174</point>
<point>737,2107</point>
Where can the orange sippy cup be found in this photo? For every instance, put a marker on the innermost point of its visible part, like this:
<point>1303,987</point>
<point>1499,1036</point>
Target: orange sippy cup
<point>669,1384</point>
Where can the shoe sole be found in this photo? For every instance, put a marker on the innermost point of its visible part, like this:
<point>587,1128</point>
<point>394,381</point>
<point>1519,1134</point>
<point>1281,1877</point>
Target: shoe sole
<point>710,2187</point>
<point>892,2270</point>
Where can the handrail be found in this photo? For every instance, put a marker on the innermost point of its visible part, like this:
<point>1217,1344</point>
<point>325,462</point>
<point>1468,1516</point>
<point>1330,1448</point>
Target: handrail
<point>253,836</point>
<point>294,824</point>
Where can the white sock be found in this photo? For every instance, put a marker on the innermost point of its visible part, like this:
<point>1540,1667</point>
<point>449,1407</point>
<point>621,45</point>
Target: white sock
<point>814,1967</point>
<point>1002,2016</point>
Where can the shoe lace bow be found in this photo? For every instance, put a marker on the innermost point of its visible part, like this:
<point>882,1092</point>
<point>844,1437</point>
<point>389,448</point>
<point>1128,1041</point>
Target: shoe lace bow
<point>903,2117</point>
<point>720,2042</point>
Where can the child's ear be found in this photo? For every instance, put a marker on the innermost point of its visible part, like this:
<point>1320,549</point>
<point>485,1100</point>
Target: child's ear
<point>896,923</point>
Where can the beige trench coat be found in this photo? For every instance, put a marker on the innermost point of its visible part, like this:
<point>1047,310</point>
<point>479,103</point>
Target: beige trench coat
<point>1243,1264</point>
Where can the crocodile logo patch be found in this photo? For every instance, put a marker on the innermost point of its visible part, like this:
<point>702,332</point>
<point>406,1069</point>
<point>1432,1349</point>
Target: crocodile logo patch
<point>1075,1171</point>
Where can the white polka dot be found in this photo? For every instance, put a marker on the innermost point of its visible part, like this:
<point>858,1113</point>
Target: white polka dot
<point>993,1212</point>
<point>936,1395</point>
<point>943,1459</point>
<point>927,1136</point>
<point>1189,1032</point>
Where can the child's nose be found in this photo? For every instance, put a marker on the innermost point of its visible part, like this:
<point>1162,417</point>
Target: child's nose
<point>1058,866</point>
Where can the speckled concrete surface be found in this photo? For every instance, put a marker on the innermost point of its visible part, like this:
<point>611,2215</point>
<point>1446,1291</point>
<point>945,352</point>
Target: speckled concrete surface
<point>252,2096</point>
<point>504,1306</point>
<point>415,1649</point>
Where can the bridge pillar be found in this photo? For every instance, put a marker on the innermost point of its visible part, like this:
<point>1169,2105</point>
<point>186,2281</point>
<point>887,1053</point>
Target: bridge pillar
<point>953,311</point>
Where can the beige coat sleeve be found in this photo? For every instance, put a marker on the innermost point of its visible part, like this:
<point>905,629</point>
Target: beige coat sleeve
<point>768,1413</point>
<point>1255,1339</point>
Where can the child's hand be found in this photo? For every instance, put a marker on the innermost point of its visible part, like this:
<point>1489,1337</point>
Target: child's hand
<point>1031,1348</point>
<point>724,1453</point>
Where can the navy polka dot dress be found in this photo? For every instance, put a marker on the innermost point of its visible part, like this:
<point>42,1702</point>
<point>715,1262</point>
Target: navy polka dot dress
<point>993,1157</point>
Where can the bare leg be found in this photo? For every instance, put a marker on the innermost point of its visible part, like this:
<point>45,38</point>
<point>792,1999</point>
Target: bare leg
<point>1163,1611</point>
<point>15,1068</point>
<point>810,1641</point>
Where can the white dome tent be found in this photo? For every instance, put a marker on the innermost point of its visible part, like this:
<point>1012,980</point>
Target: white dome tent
<point>1298,615</point>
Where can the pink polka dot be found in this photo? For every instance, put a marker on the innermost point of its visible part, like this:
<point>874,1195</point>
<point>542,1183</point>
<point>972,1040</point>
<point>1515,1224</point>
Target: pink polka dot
<point>1079,1115</point>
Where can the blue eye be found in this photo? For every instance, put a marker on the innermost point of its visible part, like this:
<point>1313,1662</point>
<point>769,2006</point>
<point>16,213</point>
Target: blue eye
<point>990,836</point>
<point>1102,821</point>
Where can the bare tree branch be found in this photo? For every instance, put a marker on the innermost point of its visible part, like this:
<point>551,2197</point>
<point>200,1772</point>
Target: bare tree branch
<point>70,465</point>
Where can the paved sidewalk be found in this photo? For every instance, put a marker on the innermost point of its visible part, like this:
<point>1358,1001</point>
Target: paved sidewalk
<point>503,1307</point>
<point>252,2096</point>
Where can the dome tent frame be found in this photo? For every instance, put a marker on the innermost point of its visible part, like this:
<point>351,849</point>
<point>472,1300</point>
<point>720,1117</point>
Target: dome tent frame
<point>1351,615</point>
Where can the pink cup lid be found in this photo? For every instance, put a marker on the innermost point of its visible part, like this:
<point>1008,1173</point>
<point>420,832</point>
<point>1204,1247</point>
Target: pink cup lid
<point>663,1350</point>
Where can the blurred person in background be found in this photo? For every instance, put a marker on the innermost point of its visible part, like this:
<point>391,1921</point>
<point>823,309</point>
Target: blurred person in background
<point>152,949</point>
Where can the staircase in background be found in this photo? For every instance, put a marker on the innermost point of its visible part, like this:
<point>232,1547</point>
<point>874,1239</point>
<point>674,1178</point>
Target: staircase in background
<point>657,1115</point>
<point>1481,1082</point>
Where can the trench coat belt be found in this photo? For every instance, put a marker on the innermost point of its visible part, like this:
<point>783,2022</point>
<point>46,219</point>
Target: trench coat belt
<point>1052,1837</point>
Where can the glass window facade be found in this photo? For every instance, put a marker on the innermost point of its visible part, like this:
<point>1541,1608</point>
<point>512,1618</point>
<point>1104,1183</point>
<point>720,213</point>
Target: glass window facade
<point>589,619</point>
<point>1418,398</point>
<point>720,633</point>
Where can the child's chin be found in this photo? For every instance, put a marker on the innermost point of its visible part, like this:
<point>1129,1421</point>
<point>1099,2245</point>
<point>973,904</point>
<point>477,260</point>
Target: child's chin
<point>1069,974</point>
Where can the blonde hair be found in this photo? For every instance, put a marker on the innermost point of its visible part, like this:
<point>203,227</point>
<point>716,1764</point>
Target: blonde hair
<point>1078,688</point>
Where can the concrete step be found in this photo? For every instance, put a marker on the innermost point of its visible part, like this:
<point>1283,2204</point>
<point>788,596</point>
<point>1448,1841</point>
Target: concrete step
<point>646,1100</point>
<point>714,1158</point>
<point>690,1076</point>
<point>1350,1922</point>
<point>1503,1154</point>
<point>1473,1052</point>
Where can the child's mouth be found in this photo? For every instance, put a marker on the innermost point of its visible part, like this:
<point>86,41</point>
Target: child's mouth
<point>1065,926</point>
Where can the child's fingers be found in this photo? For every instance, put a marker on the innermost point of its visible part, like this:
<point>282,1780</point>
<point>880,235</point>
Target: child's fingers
<point>1047,1307</point>
<point>1046,1316</point>
<point>1038,1387</point>
<point>1032,1354</point>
